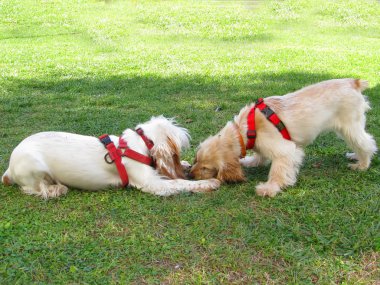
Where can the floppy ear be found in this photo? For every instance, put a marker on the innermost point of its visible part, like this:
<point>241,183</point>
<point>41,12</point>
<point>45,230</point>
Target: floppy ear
<point>231,171</point>
<point>167,157</point>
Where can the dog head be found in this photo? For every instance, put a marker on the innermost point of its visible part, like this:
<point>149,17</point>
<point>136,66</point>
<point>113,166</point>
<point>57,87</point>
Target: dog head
<point>169,140</point>
<point>215,158</point>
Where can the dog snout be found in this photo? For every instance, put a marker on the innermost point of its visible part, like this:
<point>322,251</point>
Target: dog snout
<point>191,175</point>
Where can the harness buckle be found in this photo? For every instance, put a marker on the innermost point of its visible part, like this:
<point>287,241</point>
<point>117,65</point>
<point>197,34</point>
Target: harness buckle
<point>280,126</point>
<point>267,112</point>
<point>105,139</point>
<point>251,134</point>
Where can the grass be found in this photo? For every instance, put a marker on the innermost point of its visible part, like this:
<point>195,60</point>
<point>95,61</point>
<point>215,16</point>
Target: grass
<point>92,67</point>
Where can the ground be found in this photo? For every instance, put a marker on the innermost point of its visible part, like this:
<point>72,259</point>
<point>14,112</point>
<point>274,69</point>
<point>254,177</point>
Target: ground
<point>95,67</point>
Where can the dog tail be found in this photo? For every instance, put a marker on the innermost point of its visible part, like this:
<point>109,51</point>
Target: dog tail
<point>360,84</point>
<point>6,179</point>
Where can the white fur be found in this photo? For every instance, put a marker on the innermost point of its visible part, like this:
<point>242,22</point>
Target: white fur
<point>46,164</point>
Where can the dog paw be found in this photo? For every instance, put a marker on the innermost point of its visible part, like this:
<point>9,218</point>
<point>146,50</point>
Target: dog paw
<point>253,161</point>
<point>357,166</point>
<point>185,165</point>
<point>56,190</point>
<point>248,161</point>
<point>267,189</point>
<point>215,183</point>
<point>351,156</point>
<point>207,186</point>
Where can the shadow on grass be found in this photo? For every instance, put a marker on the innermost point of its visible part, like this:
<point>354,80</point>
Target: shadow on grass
<point>91,105</point>
<point>94,105</point>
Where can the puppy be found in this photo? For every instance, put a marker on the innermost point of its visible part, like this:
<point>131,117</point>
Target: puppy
<point>46,164</point>
<point>335,105</point>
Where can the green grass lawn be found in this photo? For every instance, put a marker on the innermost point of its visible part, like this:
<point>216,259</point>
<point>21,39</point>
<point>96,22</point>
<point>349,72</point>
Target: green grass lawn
<point>95,67</point>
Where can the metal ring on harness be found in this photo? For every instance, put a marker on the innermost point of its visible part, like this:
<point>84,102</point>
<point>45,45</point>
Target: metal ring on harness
<point>107,158</point>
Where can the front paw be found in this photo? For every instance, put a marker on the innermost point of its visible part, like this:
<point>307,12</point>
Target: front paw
<point>249,161</point>
<point>207,185</point>
<point>357,166</point>
<point>253,161</point>
<point>351,156</point>
<point>268,189</point>
<point>185,165</point>
<point>215,183</point>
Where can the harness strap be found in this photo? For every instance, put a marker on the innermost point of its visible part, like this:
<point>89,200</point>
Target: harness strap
<point>115,155</point>
<point>130,153</point>
<point>251,132</point>
<point>273,118</point>
<point>149,144</point>
<point>270,115</point>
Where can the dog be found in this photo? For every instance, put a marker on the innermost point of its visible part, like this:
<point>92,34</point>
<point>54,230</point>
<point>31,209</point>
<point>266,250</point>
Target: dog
<point>334,105</point>
<point>47,163</point>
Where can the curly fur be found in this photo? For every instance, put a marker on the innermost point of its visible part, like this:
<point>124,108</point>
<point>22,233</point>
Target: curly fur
<point>334,105</point>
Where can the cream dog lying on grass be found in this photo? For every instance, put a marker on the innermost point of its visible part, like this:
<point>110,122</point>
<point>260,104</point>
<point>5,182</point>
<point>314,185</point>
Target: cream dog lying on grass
<point>46,163</point>
<point>278,127</point>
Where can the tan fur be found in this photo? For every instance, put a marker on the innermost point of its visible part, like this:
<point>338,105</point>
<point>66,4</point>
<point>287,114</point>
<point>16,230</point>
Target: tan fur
<point>176,158</point>
<point>223,164</point>
<point>360,85</point>
<point>169,164</point>
<point>335,105</point>
<point>6,181</point>
<point>231,171</point>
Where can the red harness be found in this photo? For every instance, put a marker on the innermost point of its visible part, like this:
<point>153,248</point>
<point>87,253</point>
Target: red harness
<point>115,154</point>
<point>270,115</point>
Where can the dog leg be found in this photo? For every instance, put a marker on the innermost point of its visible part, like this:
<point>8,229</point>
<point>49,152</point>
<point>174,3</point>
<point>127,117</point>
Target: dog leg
<point>30,190</point>
<point>363,145</point>
<point>44,188</point>
<point>51,190</point>
<point>164,187</point>
<point>253,161</point>
<point>283,172</point>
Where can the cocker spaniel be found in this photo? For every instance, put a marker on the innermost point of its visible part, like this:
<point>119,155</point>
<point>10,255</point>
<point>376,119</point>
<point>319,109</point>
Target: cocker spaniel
<point>46,164</point>
<point>282,126</point>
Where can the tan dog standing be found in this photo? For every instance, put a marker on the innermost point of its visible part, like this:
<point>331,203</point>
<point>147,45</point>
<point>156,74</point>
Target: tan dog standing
<point>335,105</point>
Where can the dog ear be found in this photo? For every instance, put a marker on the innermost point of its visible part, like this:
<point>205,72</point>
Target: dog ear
<point>231,171</point>
<point>167,157</point>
